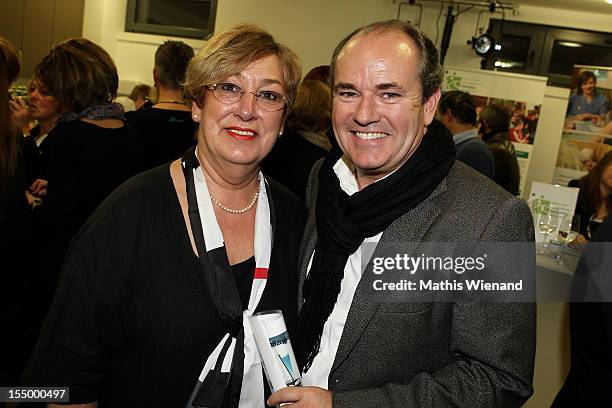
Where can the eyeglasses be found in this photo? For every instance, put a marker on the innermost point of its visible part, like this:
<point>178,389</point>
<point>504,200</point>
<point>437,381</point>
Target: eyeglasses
<point>228,93</point>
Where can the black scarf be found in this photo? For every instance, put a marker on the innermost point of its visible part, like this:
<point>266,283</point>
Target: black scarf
<point>343,222</point>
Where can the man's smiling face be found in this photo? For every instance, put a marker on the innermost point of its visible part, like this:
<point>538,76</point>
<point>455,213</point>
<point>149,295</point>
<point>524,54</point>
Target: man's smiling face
<point>379,117</point>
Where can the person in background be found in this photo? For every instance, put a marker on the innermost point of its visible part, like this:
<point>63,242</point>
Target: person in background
<point>305,140</point>
<point>141,95</point>
<point>90,152</point>
<point>493,129</point>
<point>320,73</point>
<point>159,281</point>
<point>586,159</point>
<point>586,103</point>
<point>14,227</point>
<point>457,112</point>
<point>45,110</point>
<point>589,380</point>
<point>167,128</point>
<point>396,180</point>
<point>595,197</point>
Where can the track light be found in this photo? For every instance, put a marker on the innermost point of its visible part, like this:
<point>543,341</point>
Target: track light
<point>483,45</point>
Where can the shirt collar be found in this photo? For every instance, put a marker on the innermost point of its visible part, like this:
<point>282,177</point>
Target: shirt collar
<point>347,178</point>
<point>465,135</point>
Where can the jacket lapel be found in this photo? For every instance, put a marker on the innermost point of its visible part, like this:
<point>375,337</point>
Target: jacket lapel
<point>411,227</point>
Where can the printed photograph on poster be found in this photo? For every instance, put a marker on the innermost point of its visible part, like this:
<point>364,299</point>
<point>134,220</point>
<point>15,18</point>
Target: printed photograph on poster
<point>588,107</point>
<point>579,152</point>
<point>523,120</point>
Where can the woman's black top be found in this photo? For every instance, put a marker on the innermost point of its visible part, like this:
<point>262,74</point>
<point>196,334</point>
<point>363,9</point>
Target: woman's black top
<point>131,323</point>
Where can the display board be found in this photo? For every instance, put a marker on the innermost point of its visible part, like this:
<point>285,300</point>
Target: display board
<point>521,94</point>
<point>552,199</point>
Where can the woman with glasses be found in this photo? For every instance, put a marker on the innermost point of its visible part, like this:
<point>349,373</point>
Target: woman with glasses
<point>152,305</point>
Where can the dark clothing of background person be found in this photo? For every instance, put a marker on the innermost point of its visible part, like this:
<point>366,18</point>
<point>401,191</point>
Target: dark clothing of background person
<point>14,236</point>
<point>290,161</point>
<point>34,156</point>
<point>132,323</point>
<point>166,134</point>
<point>581,208</point>
<point>507,172</point>
<point>589,380</point>
<point>85,163</point>
<point>476,154</point>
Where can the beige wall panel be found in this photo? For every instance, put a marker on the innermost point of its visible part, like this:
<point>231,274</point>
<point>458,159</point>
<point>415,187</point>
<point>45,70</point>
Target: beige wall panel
<point>37,29</point>
<point>11,21</point>
<point>68,19</point>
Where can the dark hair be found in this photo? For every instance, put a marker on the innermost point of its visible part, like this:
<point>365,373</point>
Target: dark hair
<point>79,74</point>
<point>9,69</point>
<point>429,69</point>
<point>140,90</point>
<point>320,73</point>
<point>171,61</point>
<point>582,78</point>
<point>496,116</point>
<point>590,184</point>
<point>460,104</point>
<point>312,107</point>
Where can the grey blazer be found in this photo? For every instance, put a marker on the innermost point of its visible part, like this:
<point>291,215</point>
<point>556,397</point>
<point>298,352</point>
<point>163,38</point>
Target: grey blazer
<point>437,354</point>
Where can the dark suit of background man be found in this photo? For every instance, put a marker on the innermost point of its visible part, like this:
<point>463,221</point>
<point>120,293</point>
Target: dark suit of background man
<point>396,180</point>
<point>457,111</point>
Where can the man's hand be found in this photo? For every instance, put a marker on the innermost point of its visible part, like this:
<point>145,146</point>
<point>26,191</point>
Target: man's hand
<point>302,397</point>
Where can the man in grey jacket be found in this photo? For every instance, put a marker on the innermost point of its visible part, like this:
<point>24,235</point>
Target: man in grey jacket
<point>395,180</point>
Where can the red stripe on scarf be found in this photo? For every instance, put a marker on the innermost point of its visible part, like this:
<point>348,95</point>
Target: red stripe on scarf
<point>261,273</point>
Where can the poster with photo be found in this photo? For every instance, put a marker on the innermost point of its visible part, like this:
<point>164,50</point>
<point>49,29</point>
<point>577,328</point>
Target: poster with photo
<point>523,120</point>
<point>521,95</point>
<point>579,152</point>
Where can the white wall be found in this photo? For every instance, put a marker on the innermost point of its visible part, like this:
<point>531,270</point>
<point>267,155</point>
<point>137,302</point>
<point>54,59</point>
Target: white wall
<point>312,28</point>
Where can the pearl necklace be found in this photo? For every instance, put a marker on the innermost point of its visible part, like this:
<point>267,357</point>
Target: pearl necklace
<point>241,210</point>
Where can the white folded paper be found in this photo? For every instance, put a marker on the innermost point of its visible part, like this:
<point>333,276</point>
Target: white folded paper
<point>280,365</point>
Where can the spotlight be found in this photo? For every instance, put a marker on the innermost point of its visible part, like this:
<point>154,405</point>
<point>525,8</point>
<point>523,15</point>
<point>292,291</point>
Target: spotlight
<point>483,45</point>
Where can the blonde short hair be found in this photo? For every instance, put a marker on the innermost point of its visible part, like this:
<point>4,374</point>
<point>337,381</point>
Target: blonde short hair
<point>231,51</point>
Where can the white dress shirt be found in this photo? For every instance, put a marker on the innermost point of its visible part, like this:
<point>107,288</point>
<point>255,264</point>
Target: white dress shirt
<point>320,369</point>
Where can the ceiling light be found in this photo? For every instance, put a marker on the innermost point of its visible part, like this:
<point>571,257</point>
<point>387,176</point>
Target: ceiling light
<point>571,44</point>
<point>483,45</point>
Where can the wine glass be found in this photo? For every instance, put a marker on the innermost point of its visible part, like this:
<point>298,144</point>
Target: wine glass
<point>547,223</point>
<point>569,228</point>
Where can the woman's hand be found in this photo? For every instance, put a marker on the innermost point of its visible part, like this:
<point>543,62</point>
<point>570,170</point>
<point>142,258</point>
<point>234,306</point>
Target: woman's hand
<point>20,113</point>
<point>579,242</point>
<point>39,187</point>
<point>33,201</point>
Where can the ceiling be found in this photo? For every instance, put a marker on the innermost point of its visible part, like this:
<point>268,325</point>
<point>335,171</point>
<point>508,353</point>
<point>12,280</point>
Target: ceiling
<point>593,6</point>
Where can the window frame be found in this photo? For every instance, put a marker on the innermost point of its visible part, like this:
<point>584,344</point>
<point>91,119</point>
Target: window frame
<point>131,25</point>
